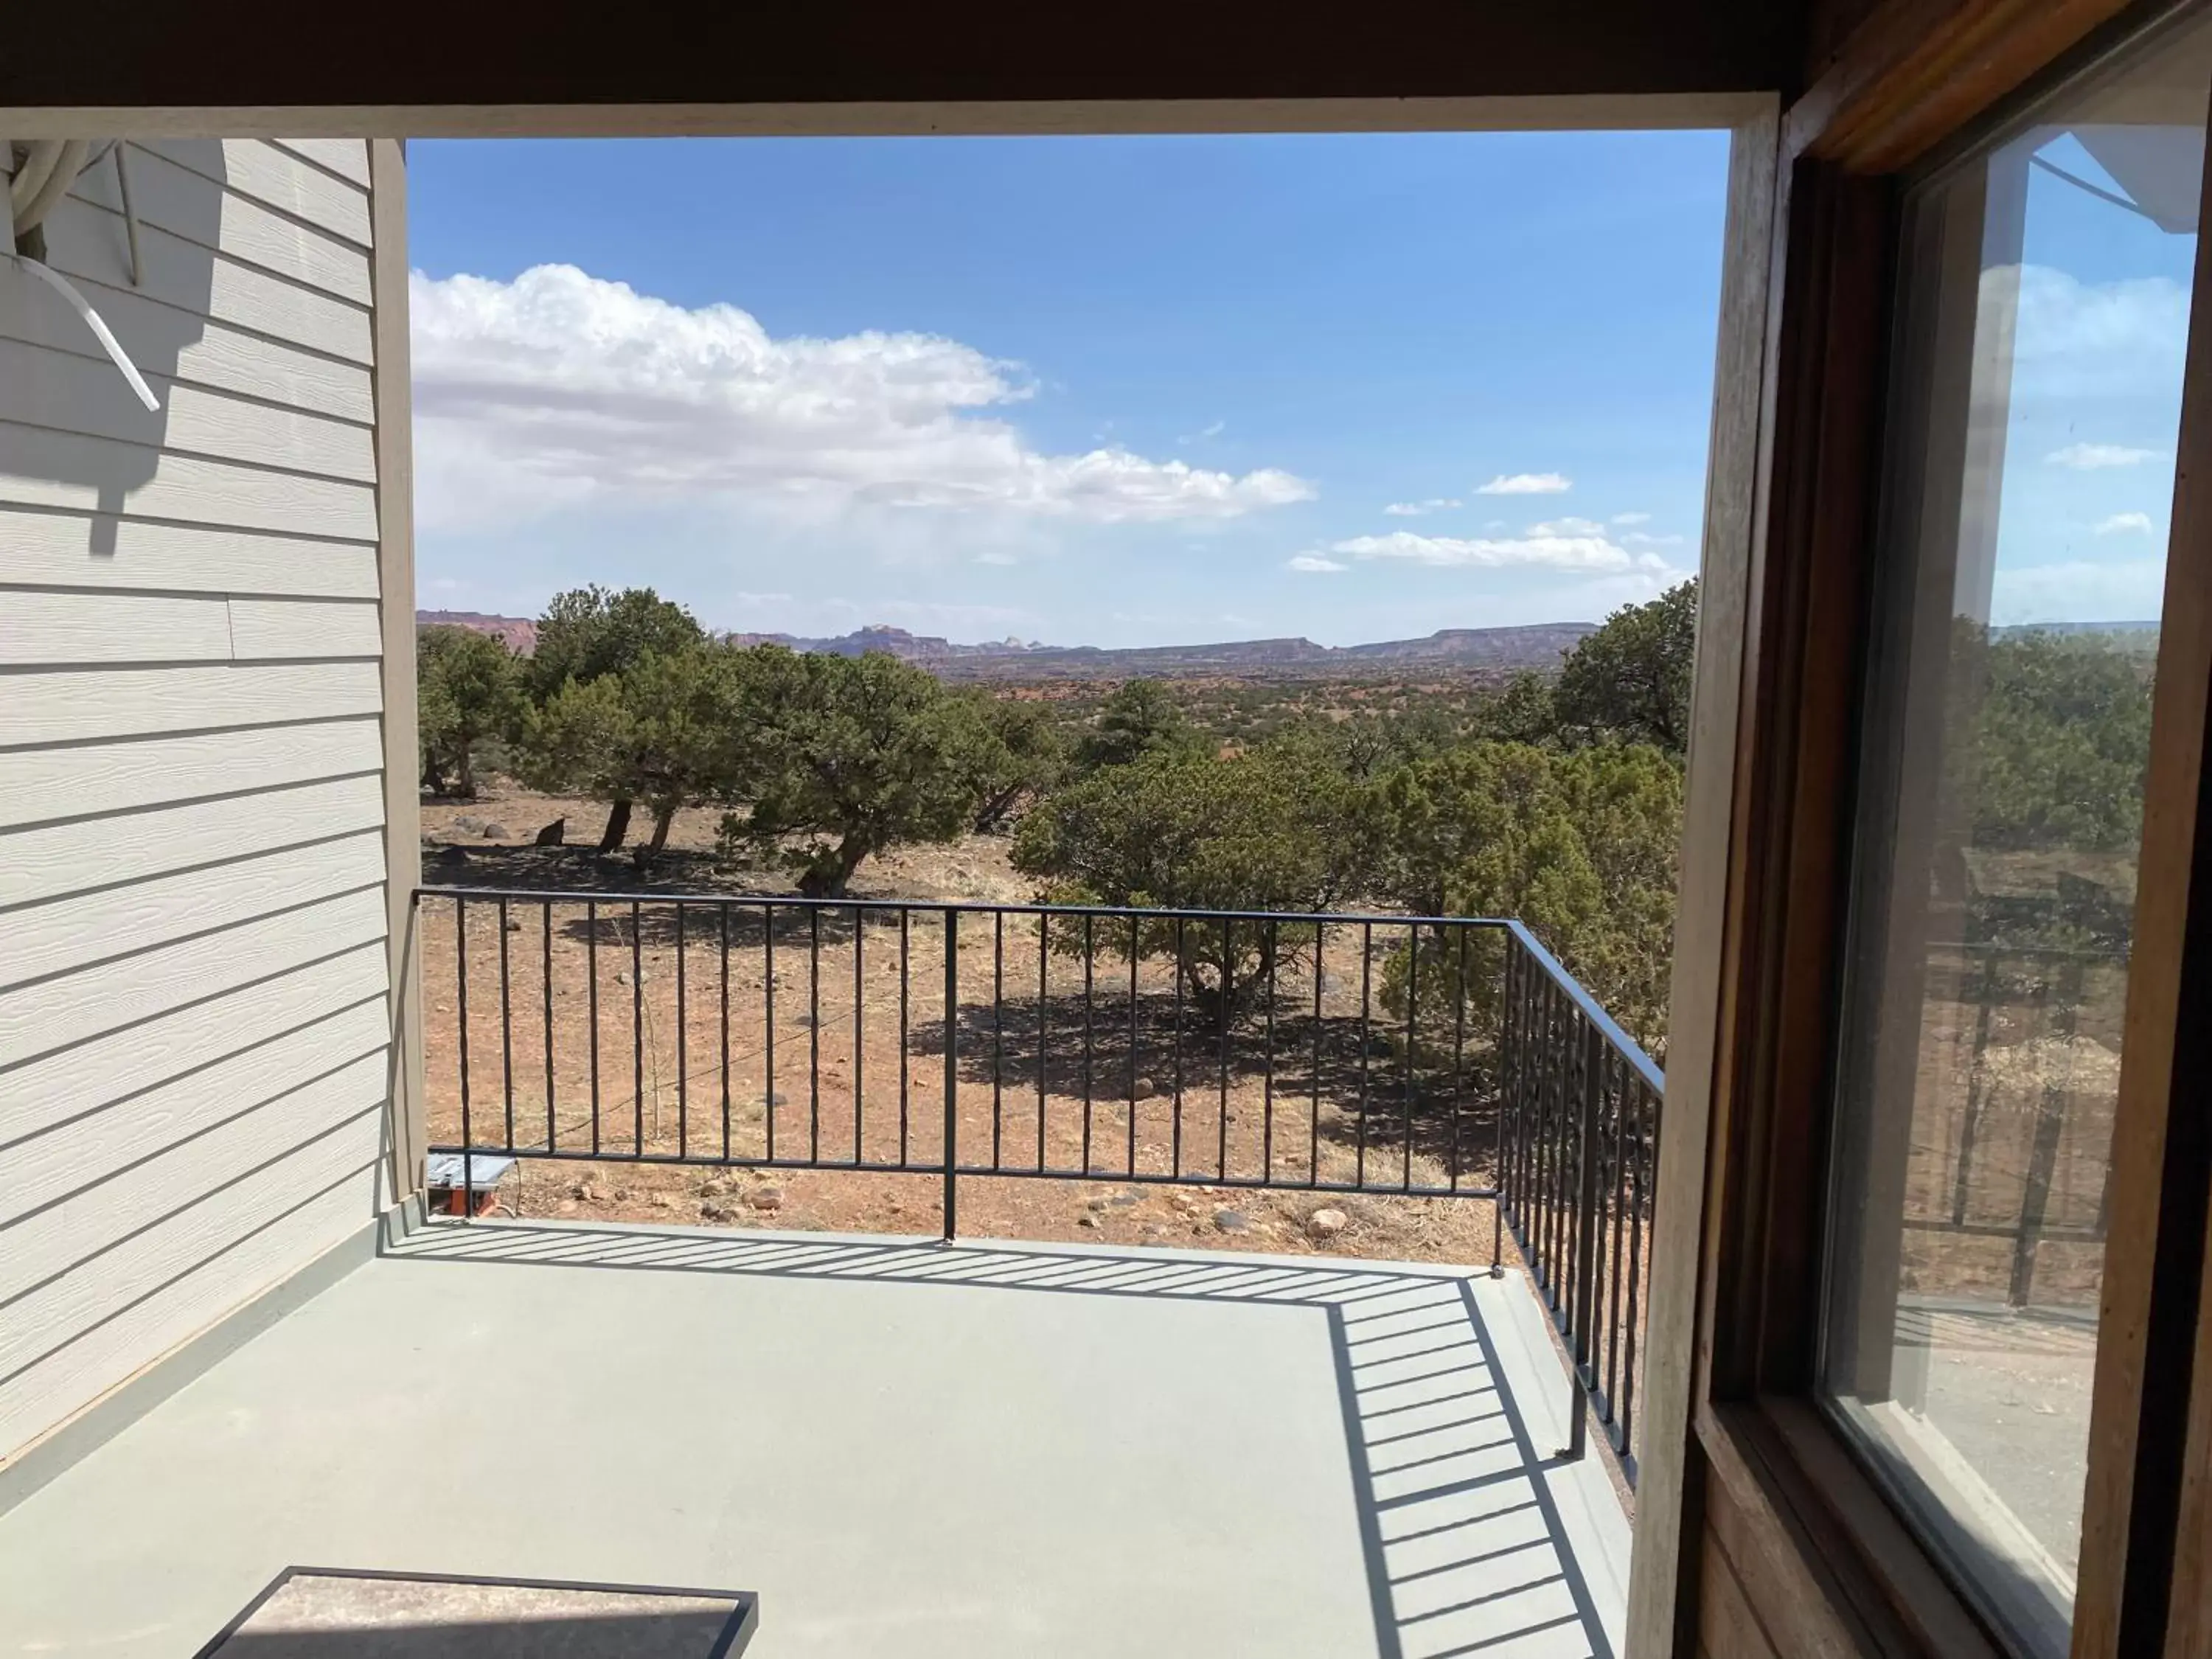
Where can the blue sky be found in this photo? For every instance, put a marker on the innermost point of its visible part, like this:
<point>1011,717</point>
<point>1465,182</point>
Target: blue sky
<point>1106,391</point>
<point>2094,403</point>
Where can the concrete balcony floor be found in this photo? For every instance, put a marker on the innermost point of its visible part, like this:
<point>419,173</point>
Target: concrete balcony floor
<point>904,1449</point>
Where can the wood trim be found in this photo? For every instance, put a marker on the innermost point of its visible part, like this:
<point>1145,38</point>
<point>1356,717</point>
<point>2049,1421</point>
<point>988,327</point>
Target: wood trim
<point>1849,1570</point>
<point>1824,1560</point>
<point>1825,1566</point>
<point>1766,1240</point>
<point>2140,1425</point>
<point>1787,1576</point>
<point>1770,864</point>
<point>2189,1631</point>
<point>395,566</point>
<point>1728,1628</point>
<point>1917,70</point>
<point>687,53</point>
<point>1550,112</point>
<point>1666,1510</point>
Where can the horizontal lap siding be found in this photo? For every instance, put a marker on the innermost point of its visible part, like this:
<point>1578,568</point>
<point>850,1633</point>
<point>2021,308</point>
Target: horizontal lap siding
<point>194,1040</point>
<point>71,934</point>
<point>243,1240</point>
<point>74,393</point>
<point>193,350</point>
<point>138,1131</point>
<point>102,779</point>
<point>75,705</point>
<point>342,157</point>
<point>91,247</point>
<point>48,1095</point>
<point>73,472</point>
<point>52,1015</point>
<point>63,629</point>
<point>77,1229</point>
<point>43,865</point>
<point>105,550</point>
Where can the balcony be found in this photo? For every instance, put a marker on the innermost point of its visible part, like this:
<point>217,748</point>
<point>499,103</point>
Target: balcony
<point>944,1444</point>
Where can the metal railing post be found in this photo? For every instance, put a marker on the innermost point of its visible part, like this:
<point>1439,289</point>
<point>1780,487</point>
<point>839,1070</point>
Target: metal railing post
<point>1509,1079</point>
<point>951,1072</point>
<point>1583,1292</point>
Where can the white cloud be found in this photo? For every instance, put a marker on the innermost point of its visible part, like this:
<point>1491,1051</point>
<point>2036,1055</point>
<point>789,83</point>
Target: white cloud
<point>558,388</point>
<point>1631,518</point>
<point>1416,509</point>
<point>957,620</point>
<point>2093,457</point>
<point>1526,483</point>
<point>811,615</point>
<point>2124,524</point>
<point>1213,430</point>
<point>1313,564</point>
<point>2105,590</point>
<point>2075,340</point>
<point>953,618</point>
<point>1639,539</point>
<point>1533,551</point>
<point>1568,527</point>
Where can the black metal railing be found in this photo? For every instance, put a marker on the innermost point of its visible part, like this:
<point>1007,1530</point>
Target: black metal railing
<point>1581,1102</point>
<point>2022,1159</point>
<point>1429,1057</point>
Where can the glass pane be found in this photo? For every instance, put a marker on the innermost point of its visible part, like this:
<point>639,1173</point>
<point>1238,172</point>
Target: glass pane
<point>2044,310</point>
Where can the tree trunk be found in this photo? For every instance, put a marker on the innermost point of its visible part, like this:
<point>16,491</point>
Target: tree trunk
<point>434,779</point>
<point>993,812</point>
<point>662,818</point>
<point>617,826</point>
<point>828,876</point>
<point>1209,1003</point>
<point>468,775</point>
<point>1230,996</point>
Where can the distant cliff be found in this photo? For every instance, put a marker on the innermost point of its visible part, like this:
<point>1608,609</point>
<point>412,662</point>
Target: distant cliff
<point>1448,650</point>
<point>915,648</point>
<point>519,632</point>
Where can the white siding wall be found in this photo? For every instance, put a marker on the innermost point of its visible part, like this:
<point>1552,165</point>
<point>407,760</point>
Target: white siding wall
<point>193,1030</point>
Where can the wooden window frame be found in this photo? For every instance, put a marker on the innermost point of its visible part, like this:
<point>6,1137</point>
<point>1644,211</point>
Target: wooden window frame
<point>400,1170</point>
<point>1794,1533</point>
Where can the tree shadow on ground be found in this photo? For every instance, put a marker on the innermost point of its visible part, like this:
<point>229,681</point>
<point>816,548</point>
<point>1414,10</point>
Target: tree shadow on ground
<point>1312,1062</point>
<point>579,869</point>
<point>798,928</point>
<point>641,901</point>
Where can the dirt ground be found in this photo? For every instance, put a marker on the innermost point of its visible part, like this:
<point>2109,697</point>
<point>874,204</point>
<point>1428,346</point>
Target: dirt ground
<point>2000,1068</point>
<point>755,1043</point>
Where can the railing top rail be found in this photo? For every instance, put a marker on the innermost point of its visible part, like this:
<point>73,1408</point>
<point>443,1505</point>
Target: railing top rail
<point>986,907</point>
<point>1628,1046</point>
<point>2002,948</point>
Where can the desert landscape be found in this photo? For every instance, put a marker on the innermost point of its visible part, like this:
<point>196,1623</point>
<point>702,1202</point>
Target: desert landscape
<point>667,1045</point>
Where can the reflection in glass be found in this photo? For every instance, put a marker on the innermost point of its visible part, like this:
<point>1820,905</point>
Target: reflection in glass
<point>2043,314</point>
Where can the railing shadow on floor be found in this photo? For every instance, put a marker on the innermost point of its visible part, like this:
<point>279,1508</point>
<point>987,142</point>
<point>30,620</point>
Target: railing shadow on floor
<point>1465,1548</point>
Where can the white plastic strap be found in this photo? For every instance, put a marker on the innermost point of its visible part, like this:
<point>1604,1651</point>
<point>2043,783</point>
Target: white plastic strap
<point>62,286</point>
